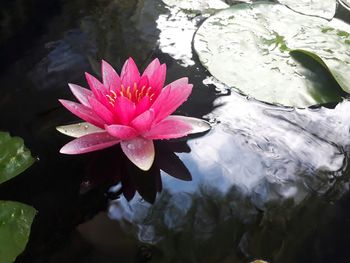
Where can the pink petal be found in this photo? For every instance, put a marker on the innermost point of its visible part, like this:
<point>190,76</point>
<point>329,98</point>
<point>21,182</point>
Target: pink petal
<point>143,82</point>
<point>151,68</point>
<point>143,122</point>
<point>89,143</point>
<point>124,109</point>
<point>130,73</point>
<point>170,98</point>
<point>142,105</point>
<point>139,151</point>
<point>96,86</point>
<point>81,94</point>
<point>110,77</point>
<point>102,111</point>
<point>121,132</point>
<point>83,112</point>
<point>158,78</point>
<point>168,129</point>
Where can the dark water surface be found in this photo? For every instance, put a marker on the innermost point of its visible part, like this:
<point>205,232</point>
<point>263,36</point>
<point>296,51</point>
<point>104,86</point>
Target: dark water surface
<point>266,182</point>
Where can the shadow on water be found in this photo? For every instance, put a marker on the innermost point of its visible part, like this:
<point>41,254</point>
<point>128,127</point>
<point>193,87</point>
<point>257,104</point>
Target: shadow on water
<point>266,182</point>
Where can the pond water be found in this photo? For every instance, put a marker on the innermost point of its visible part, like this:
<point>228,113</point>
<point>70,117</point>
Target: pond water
<point>267,182</point>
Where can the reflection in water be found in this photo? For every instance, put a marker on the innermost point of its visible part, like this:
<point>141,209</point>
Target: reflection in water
<point>254,172</point>
<point>264,183</point>
<point>112,167</point>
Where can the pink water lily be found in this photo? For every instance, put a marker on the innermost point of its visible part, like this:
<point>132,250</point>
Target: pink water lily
<point>130,109</point>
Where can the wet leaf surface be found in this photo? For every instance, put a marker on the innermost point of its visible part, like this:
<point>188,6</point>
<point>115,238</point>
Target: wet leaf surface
<point>321,8</point>
<point>257,38</point>
<point>14,157</point>
<point>15,223</point>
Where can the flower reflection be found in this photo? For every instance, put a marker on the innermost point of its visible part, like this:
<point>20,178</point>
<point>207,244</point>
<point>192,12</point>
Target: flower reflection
<point>112,170</point>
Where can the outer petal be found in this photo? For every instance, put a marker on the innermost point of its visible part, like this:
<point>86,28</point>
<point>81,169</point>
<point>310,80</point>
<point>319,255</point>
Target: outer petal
<point>151,68</point>
<point>96,86</point>
<point>168,129</point>
<point>121,132</point>
<point>89,143</point>
<point>125,110</point>
<point>130,73</point>
<point>170,98</point>
<point>110,77</point>
<point>78,129</point>
<point>83,112</point>
<point>143,122</point>
<point>103,112</point>
<point>81,94</point>
<point>158,78</point>
<point>140,151</point>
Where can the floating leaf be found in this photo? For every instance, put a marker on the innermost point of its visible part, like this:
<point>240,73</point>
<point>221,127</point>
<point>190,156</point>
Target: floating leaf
<point>78,129</point>
<point>14,157</point>
<point>15,222</point>
<point>345,3</point>
<point>202,6</point>
<point>321,8</point>
<point>247,47</point>
<point>343,82</point>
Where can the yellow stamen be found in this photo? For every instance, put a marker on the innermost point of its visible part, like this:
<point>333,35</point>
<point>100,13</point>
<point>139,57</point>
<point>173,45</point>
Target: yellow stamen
<point>110,98</point>
<point>128,94</point>
<point>123,89</point>
<point>114,94</point>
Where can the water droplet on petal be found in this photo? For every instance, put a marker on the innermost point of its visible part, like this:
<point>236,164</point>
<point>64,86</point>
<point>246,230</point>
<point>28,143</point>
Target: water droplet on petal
<point>131,146</point>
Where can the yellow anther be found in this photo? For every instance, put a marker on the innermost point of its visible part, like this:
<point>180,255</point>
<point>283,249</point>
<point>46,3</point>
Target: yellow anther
<point>123,89</point>
<point>121,93</point>
<point>110,98</point>
<point>135,86</point>
<point>111,103</point>
<point>114,94</point>
<point>151,97</point>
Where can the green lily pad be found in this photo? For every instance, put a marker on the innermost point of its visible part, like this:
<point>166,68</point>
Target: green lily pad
<point>248,47</point>
<point>15,223</point>
<point>321,8</point>
<point>346,3</point>
<point>14,157</point>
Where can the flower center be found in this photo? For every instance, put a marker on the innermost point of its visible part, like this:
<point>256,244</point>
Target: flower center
<point>134,94</point>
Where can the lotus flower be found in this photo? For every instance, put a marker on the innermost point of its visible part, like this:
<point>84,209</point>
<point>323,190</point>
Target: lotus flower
<point>130,109</point>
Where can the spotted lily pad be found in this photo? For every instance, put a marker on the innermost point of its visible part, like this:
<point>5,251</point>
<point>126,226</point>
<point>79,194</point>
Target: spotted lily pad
<point>15,223</point>
<point>248,47</point>
<point>14,157</point>
<point>321,8</point>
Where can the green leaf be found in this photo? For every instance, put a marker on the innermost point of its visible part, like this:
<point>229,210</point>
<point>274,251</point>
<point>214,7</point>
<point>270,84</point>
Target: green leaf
<point>14,157</point>
<point>200,6</point>
<point>15,223</point>
<point>321,8</point>
<point>343,82</point>
<point>247,47</point>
